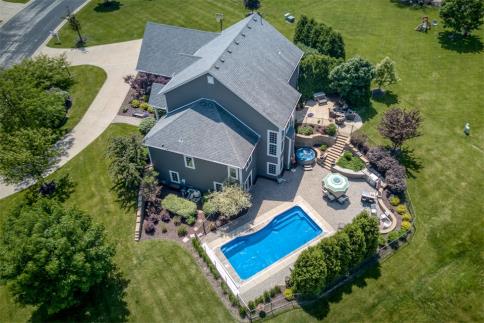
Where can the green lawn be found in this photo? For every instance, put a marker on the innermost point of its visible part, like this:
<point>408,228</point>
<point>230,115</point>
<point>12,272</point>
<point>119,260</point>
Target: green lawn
<point>88,81</point>
<point>164,284</point>
<point>17,1</point>
<point>439,276</point>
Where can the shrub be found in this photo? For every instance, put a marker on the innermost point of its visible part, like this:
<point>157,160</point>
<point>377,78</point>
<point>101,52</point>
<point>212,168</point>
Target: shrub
<point>190,221</point>
<point>407,217</point>
<point>209,208</point>
<point>386,163</point>
<point>305,130</point>
<point>179,206</point>
<point>323,147</point>
<point>396,179</point>
<point>331,130</point>
<point>149,227</point>
<point>251,305</point>
<point>229,202</point>
<point>164,229</point>
<point>146,124</point>
<point>262,314</point>
<point>381,241</point>
<point>135,103</point>
<point>394,235</point>
<point>360,141</point>
<point>406,225</point>
<point>314,74</point>
<point>225,288</point>
<point>375,154</point>
<point>242,312</point>
<point>182,231</point>
<point>288,294</point>
<point>309,274</point>
<point>267,296</point>
<point>348,155</point>
<point>150,109</point>
<point>141,83</point>
<point>401,209</point>
<point>177,220</point>
<point>394,200</point>
<point>144,106</point>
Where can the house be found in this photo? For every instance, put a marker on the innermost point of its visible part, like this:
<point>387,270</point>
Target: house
<point>228,111</point>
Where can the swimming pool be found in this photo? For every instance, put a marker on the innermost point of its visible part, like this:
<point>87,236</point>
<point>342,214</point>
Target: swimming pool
<point>287,232</point>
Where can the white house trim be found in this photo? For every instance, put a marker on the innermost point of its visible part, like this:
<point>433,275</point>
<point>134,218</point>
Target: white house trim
<point>237,175</point>
<point>269,143</point>
<point>186,164</point>
<point>177,176</point>
<point>215,185</point>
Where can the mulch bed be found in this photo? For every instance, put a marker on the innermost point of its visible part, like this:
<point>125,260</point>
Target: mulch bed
<point>126,109</point>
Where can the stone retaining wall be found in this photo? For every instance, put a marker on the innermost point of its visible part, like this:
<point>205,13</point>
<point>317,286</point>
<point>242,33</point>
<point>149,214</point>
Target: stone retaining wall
<point>348,172</point>
<point>314,140</point>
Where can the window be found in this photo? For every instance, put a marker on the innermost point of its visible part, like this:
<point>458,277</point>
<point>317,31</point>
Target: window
<point>233,173</point>
<point>210,79</point>
<point>218,186</point>
<point>189,162</point>
<point>271,169</point>
<point>272,143</point>
<point>174,177</point>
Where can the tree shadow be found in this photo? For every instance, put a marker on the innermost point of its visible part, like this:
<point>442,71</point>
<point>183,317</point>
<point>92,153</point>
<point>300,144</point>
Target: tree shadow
<point>366,113</point>
<point>407,158</point>
<point>126,198</point>
<point>108,6</point>
<point>460,44</point>
<point>386,97</point>
<point>321,308</point>
<point>411,4</point>
<point>103,303</point>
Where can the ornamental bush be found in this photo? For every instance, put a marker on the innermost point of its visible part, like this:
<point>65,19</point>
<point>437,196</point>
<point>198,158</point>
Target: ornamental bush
<point>394,200</point>
<point>395,178</point>
<point>360,141</point>
<point>144,106</point>
<point>182,231</point>
<point>229,202</point>
<point>323,147</point>
<point>401,209</point>
<point>179,206</point>
<point>407,217</point>
<point>305,130</point>
<point>135,103</point>
<point>288,294</point>
<point>309,274</point>
<point>406,225</point>
<point>146,124</point>
<point>331,129</point>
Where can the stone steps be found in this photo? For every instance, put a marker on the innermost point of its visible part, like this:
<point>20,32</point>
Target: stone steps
<point>334,152</point>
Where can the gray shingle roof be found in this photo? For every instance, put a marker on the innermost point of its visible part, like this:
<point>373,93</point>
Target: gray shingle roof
<point>157,99</point>
<point>204,130</point>
<point>167,50</point>
<point>253,60</point>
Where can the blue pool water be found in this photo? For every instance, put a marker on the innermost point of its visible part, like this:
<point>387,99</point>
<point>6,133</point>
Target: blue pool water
<point>285,233</point>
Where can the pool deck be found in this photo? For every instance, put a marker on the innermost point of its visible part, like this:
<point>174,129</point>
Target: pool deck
<point>270,199</point>
<point>273,273</point>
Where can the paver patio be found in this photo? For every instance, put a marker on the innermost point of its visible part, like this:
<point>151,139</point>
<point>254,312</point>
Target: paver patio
<point>268,195</point>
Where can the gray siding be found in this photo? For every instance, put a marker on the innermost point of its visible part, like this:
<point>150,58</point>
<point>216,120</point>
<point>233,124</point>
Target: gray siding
<point>202,177</point>
<point>200,88</point>
<point>294,78</point>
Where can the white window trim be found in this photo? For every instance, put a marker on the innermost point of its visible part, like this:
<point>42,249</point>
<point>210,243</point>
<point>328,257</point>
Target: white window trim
<point>277,169</point>
<point>186,164</point>
<point>215,186</point>
<point>177,175</point>
<point>236,173</point>
<point>249,176</point>
<point>249,162</point>
<point>277,144</point>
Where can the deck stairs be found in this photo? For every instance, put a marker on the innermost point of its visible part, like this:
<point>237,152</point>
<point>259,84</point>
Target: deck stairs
<point>334,152</point>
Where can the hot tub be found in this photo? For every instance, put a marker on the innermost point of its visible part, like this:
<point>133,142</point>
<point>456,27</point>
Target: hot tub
<point>305,155</point>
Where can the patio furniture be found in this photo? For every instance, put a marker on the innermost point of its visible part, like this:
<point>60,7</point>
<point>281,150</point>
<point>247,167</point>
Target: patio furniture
<point>385,221</point>
<point>340,121</point>
<point>342,199</point>
<point>373,209</point>
<point>321,98</point>
<point>336,184</point>
<point>368,197</point>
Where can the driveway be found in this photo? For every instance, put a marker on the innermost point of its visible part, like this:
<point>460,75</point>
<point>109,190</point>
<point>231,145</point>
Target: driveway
<point>29,28</point>
<point>118,60</point>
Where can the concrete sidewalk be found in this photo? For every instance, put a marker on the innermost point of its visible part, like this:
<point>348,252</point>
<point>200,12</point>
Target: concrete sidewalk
<point>8,10</point>
<point>118,60</point>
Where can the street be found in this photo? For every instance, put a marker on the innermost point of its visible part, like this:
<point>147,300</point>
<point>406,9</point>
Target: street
<point>24,33</point>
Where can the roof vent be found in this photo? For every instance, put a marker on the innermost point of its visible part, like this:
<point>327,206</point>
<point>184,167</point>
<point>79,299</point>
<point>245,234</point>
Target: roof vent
<point>243,35</point>
<point>249,26</point>
<point>216,67</point>
<point>236,42</point>
<point>180,140</point>
<point>229,51</point>
<point>222,59</point>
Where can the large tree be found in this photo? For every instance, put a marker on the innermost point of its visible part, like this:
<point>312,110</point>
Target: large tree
<point>352,80</point>
<point>127,160</point>
<point>251,4</point>
<point>51,256</point>
<point>27,154</point>
<point>314,74</point>
<point>309,274</point>
<point>462,15</point>
<point>299,35</point>
<point>399,125</point>
<point>385,73</point>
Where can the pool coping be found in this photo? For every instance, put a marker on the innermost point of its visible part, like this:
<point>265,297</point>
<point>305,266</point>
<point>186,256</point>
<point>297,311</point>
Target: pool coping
<point>260,222</point>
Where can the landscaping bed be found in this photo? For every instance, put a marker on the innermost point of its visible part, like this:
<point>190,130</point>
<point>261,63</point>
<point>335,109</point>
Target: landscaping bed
<point>349,161</point>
